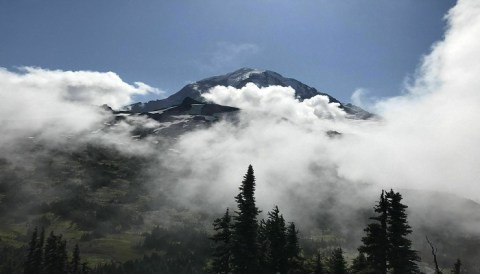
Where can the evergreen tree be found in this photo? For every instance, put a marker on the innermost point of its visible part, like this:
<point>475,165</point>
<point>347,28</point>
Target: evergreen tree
<point>264,248</point>
<point>318,266</point>
<point>38,254</point>
<point>375,243</point>
<point>51,259</point>
<point>386,244</point>
<point>61,262</point>
<point>293,251</point>
<point>30,265</point>
<point>402,259</point>
<point>276,234</point>
<point>245,228</point>
<point>33,263</point>
<point>336,263</point>
<point>293,247</point>
<point>457,267</point>
<point>222,240</point>
<point>50,253</point>
<point>75,263</point>
<point>50,264</point>
<point>85,268</point>
<point>360,265</point>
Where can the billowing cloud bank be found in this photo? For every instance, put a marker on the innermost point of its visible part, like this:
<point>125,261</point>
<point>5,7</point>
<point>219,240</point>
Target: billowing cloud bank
<point>276,100</point>
<point>427,138</point>
<point>52,104</point>
<point>430,135</point>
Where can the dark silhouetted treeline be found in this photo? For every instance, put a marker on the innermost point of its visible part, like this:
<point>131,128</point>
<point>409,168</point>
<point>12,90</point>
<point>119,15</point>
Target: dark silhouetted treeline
<point>42,256</point>
<point>240,243</point>
<point>50,256</point>
<point>243,244</point>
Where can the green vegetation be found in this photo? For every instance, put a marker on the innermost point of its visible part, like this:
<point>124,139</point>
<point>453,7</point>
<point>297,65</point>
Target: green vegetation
<point>99,198</point>
<point>222,244</point>
<point>249,246</point>
<point>386,244</point>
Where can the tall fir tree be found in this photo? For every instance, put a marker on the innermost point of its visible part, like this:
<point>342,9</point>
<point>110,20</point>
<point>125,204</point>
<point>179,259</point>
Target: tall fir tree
<point>34,261</point>
<point>376,243</point>
<point>75,263</point>
<point>30,266</point>
<point>85,269</point>
<point>318,267</point>
<point>55,256</point>
<point>61,263</point>
<point>276,235</point>
<point>386,244</point>
<point>337,263</point>
<point>264,248</point>
<point>360,265</point>
<point>402,258</point>
<point>245,228</point>
<point>293,246</point>
<point>293,250</point>
<point>38,254</point>
<point>222,244</point>
<point>50,260</point>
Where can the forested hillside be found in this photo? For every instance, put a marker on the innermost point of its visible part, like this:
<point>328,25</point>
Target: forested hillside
<point>93,207</point>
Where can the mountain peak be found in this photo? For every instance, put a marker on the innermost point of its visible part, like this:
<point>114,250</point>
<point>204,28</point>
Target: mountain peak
<point>244,73</point>
<point>238,79</point>
<point>260,77</point>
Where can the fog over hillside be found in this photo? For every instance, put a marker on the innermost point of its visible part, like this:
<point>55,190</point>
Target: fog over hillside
<point>425,138</point>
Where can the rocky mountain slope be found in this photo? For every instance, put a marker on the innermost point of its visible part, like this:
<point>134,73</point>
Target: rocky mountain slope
<point>175,120</point>
<point>238,79</point>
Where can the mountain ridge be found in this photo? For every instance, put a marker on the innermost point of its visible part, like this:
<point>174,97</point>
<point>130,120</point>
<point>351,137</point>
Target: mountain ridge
<point>238,79</point>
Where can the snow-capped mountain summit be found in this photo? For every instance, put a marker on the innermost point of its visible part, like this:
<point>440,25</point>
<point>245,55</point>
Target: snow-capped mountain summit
<point>238,79</point>
<point>261,78</point>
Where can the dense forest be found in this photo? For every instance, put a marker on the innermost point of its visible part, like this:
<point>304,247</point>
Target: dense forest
<point>239,242</point>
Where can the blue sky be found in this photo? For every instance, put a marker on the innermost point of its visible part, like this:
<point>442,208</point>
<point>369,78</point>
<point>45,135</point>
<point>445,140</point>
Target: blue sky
<point>336,46</point>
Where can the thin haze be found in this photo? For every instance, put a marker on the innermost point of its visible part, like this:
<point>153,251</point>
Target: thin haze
<point>335,46</point>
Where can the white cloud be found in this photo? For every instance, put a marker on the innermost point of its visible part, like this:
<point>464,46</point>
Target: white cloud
<point>429,137</point>
<point>360,97</point>
<point>85,87</point>
<point>276,100</point>
<point>52,103</point>
<point>289,158</point>
<point>144,88</point>
<point>284,139</point>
